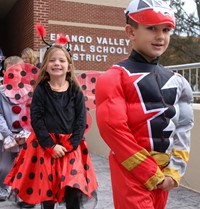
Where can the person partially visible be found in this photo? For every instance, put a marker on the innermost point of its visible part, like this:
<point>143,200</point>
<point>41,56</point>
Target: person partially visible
<point>14,135</point>
<point>9,126</point>
<point>56,161</point>
<point>1,59</point>
<point>144,112</point>
<point>10,61</point>
<point>1,77</point>
<point>1,65</point>
<point>29,56</point>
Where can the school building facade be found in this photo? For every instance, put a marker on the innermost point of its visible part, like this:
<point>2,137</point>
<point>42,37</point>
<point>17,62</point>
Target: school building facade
<point>95,29</point>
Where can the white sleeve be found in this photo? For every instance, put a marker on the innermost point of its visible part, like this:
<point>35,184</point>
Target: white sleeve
<point>181,139</point>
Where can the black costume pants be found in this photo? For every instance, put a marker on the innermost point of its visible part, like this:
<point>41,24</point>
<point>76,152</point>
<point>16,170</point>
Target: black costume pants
<point>72,199</point>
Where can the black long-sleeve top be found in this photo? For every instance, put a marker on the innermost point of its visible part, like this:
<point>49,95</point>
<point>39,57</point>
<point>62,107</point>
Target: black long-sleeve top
<point>58,112</point>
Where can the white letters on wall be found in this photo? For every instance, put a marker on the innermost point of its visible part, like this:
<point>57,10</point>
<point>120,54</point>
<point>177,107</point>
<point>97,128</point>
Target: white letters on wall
<point>87,48</point>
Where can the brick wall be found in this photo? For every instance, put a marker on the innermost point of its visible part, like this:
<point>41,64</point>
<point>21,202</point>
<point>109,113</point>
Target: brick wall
<point>90,14</point>
<point>18,28</point>
<point>63,16</point>
<point>41,15</point>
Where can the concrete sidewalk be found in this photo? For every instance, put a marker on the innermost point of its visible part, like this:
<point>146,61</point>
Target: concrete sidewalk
<point>180,198</point>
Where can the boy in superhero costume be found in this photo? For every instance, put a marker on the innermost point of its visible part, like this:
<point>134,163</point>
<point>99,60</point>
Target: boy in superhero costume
<point>144,113</point>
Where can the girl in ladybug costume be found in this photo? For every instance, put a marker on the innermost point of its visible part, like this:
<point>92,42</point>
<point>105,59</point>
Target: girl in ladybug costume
<point>55,164</point>
<point>144,113</point>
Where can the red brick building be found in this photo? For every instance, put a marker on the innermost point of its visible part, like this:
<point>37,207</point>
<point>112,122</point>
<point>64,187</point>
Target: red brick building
<point>95,29</point>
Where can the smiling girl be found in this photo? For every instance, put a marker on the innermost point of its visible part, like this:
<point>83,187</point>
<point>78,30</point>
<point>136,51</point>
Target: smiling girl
<point>56,162</point>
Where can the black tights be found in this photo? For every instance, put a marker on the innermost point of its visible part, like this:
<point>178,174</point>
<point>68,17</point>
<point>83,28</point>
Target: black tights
<point>72,199</point>
<point>47,205</point>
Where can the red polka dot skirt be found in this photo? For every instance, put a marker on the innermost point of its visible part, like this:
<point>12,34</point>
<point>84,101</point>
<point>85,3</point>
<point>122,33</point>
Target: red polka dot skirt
<point>36,176</point>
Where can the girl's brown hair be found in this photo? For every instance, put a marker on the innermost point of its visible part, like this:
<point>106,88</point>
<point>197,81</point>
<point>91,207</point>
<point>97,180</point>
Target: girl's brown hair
<point>30,54</point>
<point>44,75</point>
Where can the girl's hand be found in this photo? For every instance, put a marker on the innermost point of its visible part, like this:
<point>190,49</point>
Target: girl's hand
<point>167,184</point>
<point>59,151</point>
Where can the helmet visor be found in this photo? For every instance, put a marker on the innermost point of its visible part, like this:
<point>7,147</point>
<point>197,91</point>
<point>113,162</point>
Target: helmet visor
<point>153,17</point>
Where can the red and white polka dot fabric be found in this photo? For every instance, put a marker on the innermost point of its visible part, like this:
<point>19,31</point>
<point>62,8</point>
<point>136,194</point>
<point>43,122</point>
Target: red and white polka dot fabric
<point>37,177</point>
<point>19,81</point>
<point>87,81</point>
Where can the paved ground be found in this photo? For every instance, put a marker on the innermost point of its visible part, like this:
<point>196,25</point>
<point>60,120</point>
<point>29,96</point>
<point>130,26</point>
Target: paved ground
<point>179,198</point>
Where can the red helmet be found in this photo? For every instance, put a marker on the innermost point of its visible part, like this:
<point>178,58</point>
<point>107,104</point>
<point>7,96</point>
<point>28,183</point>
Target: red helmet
<point>150,12</point>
